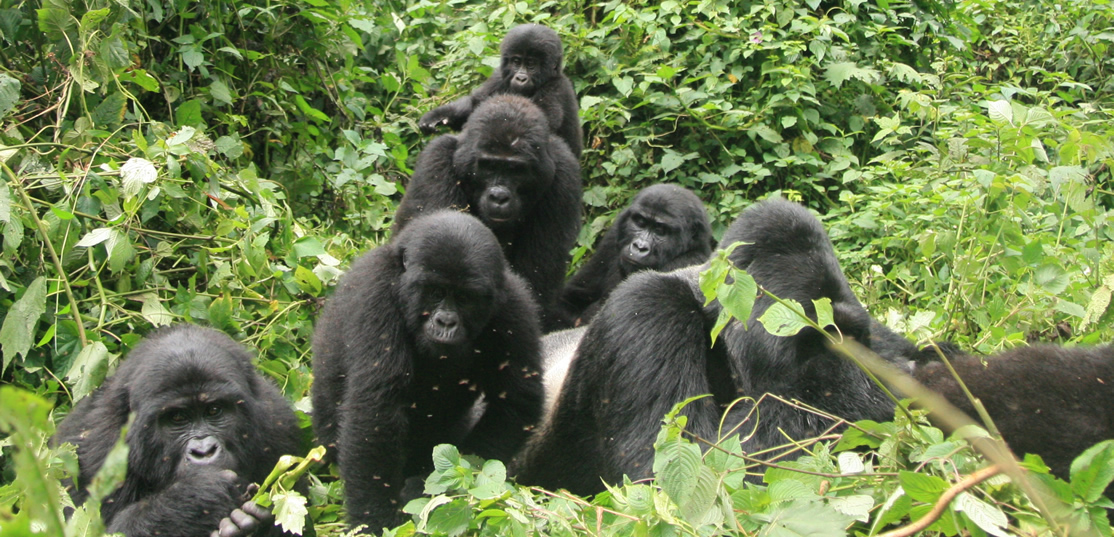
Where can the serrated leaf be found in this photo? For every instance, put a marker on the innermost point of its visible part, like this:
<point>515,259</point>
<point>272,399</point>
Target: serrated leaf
<point>784,319</point>
<point>229,147</point>
<point>183,135</point>
<point>1000,112</point>
<point>290,511</point>
<point>154,311</point>
<point>856,506</point>
<point>1052,278</point>
<point>838,73</point>
<point>308,246</point>
<point>676,467</point>
<point>738,298</point>
<point>94,237</point>
<point>135,173</point>
<point>18,332</point>
<point>1100,301</point>
<point>120,250</point>
<point>1093,470</point>
<point>188,113</point>
<point>987,517</point>
<point>805,518</point>
<point>671,161</point>
<point>451,519</point>
<point>220,92</point>
<point>922,487</point>
<point>9,93</point>
<point>589,101</point>
<point>88,369</point>
<point>850,463</point>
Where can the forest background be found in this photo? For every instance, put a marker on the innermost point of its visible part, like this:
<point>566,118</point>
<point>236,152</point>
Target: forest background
<point>222,162</point>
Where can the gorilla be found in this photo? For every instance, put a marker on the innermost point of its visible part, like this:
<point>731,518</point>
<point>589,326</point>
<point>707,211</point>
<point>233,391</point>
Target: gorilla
<point>665,228</point>
<point>206,425</point>
<point>530,67</point>
<point>650,347</point>
<point>417,330</point>
<point>506,169</point>
<point>1048,400</point>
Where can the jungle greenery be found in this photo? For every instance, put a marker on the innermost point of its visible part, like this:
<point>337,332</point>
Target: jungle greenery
<point>221,162</point>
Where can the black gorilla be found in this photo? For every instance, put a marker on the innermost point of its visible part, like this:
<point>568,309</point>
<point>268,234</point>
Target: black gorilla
<point>530,67</point>
<point>650,348</point>
<point>418,329</point>
<point>1045,399</point>
<point>665,228</point>
<point>206,424</point>
<point>507,169</point>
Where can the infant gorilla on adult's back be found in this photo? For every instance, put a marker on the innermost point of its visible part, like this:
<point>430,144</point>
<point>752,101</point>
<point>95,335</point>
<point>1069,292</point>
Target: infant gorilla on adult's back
<point>418,329</point>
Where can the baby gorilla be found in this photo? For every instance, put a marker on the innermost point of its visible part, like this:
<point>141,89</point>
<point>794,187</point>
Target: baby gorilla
<point>206,425</point>
<point>665,228</point>
<point>530,67</point>
<point>418,329</point>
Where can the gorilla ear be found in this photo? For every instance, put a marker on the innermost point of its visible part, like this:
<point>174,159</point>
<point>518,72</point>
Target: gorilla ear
<point>403,257</point>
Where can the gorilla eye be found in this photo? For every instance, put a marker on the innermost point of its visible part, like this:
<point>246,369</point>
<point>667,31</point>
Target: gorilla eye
<point>178,417</point>
<point>213,410</point>
<point>639,220</point>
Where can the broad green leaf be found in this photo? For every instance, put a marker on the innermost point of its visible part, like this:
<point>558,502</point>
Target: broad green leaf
<point>676,466</point>
<point>290,511</point>
<point>784,319</point>
<point>850,463</point>
<point>94,237</point>
<point>9,93</point>
<point>309,110</point>
<point>1000,112</point>
<point>922,487</point>
<point>135,173</point>
<point>838,73</point>
<point>805,518</point>
<point>671,160</point>
<point>451,519</point>
<point>188,113</point>
<point>1100,301</point>
<point>120,250</point>
<point>1093,470</point>
<point>308,246</point>
<point>220,92</point>
<point>141,78</point>
<point>987,517</point>
<point>738,297</point>
<point>184,134</point>
<point>857,506</point>
<point>768,134</point>
<point>825,317</point>
<point>18,332</point>
<point>154,311</point>
<point>110,112</point>
<point>88,369</point>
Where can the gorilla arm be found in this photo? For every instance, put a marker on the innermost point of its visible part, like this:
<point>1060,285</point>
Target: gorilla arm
<point>513,385</point>
<point>433,185</point>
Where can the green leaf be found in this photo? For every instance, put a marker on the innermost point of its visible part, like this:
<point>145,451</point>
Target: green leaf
<point>141,78</point>
<point>111,474</point>
<point>18,332</point>
<point>987,517</point>
<point>676,465</point>
<point>452,518</point>
<point>92,18</point>
<point>9,93</point>
<point>154,311</point>
<point>805,518</point>
<point>784,319</point>
<point>1000,112</point>
<point>309,110</point>
<point>88,369</point>
<point>308,246</point>
<point>290,511</point>
<point>768,134</point>
<point>838,73</point>
<point>110,112</point>
<point>922,487</point>
<point>55,19</point>
<point>738,297</point>
<point>135,173</point>
<point>188,114</point>
<point>307,281</point>
<point>1093,470</point>
<point>671,161</point>
<point>824,315</point>
<point>857,506</point>
<point>220,313</point>
<point>220,92</point>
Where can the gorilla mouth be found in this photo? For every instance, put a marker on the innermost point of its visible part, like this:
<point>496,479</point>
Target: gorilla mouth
<point>438,336</point>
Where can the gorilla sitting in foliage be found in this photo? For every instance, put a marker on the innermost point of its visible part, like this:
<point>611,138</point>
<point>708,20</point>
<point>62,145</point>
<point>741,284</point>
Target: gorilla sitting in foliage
<point>650,348</point>
<point>506,169</point>
<point>530,67</point>
<point>418,329</point>
<point>206,425</point>
<point>665,228</point>
<point>1048,400</point>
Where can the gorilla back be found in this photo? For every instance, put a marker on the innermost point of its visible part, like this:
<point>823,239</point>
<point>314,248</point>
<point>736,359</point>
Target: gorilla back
<point>506,169</point>
<point>650,348</point>
<point>417,330</point>
<point>206,424</point>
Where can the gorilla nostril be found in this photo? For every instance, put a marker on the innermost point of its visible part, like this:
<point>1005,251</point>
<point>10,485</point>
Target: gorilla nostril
<point>202,450</point>
<point>445,320</point>
<point>640,247</point>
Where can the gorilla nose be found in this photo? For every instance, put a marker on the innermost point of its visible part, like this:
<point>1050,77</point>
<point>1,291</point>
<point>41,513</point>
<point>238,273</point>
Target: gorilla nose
<point>445,320</point>
<point>499,196</point>
<point>639,248</point>
<point>203,450</point>
<point>521,79</point>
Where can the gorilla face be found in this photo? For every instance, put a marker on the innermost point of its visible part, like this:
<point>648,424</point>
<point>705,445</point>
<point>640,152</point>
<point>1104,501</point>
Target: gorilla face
<point>531,56</point>
<point>504,153</point>
<point>662,223</point>
<point>195,430</point>
<point>449,282</point>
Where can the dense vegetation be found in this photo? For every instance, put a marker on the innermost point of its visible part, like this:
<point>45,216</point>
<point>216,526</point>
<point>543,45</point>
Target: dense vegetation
<point>221,163</point>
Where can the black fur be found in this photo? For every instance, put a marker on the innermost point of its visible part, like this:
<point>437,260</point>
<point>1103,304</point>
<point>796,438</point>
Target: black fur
<point>206,425</point>
<point>665,228</point>
<point>418,329</point>
<point>650,347</point>
<point>531,67</point>
<point>507,169</point>
<point>1045,399</point>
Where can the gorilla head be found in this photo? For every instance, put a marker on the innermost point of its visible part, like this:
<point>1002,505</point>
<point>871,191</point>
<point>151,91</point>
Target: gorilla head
<point>504,156</point>
<point>663,223</point>
<point>531,56</point>
<point>206,424</point>
<point>665,228</point>
<point>452,269</point>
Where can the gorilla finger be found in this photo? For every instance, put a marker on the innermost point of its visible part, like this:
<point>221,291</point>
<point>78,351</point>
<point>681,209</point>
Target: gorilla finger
<point>228,528</point>
<point>245,521</point>
<point>256,510</point>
